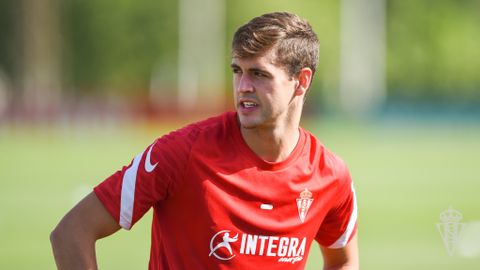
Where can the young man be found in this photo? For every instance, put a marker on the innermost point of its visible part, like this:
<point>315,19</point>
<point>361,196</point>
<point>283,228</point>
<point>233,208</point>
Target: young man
<point>243,190</point>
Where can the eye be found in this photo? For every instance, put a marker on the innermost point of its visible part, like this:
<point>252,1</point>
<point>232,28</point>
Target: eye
<point>258,74</point>
<point>236,70</point>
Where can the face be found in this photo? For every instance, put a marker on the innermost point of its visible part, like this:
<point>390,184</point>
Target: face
<point>264,93</point>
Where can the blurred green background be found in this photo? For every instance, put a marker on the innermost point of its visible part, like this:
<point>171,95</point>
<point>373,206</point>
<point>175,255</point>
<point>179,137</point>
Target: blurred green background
<point>86,85</point>
<point>405,176</point>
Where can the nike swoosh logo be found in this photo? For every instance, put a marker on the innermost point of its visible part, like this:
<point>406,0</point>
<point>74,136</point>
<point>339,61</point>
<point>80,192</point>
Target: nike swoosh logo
<point>148,164</point>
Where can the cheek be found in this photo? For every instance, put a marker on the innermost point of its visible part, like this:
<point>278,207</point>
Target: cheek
<point>235,83</point>
<point>281,91</point>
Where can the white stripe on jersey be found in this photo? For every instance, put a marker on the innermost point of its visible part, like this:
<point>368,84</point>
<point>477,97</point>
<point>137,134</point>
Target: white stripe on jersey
<point>342,241</point>
<point>128,193</point>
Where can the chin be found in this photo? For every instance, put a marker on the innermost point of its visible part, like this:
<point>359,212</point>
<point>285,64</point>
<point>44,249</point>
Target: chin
<point>248,123</point>
<point>247,126</point>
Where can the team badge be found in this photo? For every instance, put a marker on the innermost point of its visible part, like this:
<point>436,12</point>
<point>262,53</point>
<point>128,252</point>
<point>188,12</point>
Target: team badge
<point>304,203</point>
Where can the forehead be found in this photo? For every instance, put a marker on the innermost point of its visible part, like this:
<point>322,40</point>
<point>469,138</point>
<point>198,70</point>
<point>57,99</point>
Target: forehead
<point>264,61</point>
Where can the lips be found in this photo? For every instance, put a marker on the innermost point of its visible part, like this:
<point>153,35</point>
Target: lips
<point>248,104</point>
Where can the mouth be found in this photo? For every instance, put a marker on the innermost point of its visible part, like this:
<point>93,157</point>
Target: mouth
<point>248,104</point>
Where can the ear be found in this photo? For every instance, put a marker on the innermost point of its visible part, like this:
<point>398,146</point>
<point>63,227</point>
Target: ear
<point>303,81</point>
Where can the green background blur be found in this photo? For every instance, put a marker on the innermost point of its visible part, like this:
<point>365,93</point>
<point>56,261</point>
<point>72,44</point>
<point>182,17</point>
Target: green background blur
<point>405,176</point>
<point>412,158</point>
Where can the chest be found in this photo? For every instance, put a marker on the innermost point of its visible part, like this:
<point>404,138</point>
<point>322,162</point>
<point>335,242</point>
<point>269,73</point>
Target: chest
<point>243,216</point>
<point>289,201</point>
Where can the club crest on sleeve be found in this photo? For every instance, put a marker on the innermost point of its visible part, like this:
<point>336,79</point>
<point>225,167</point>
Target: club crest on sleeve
<point>303,204</point>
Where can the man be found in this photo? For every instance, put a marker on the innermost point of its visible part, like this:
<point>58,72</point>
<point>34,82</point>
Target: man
<point>242,190</point>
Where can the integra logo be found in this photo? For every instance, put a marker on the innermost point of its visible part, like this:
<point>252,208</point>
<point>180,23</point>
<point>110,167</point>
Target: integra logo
<point>225,243</point>
<point>223,246</point>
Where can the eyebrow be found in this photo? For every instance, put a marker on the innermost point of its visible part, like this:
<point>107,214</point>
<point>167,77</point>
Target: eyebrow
<point>233,65</point>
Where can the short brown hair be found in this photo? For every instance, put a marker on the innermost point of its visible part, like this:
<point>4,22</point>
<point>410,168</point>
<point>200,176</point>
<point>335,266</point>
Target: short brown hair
<point>292,37</point>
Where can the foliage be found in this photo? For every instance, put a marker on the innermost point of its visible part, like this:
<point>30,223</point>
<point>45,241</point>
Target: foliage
<point>116,44</point>
<point>433,49</point>
<point>432,46</point>
<point>8,14</point>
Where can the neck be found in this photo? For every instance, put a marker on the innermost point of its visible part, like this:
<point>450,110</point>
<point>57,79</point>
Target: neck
<point>273,143</point>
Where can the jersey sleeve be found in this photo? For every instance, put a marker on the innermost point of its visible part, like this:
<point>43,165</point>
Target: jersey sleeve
<point>340,223</point>
<point>152,176</point>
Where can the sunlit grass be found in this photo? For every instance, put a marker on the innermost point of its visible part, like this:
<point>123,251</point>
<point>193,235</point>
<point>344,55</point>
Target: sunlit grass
<point>405,175</point>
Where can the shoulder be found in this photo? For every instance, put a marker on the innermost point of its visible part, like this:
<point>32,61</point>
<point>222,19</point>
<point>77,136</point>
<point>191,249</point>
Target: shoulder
<point>190,133</point>
<point>329,163</point>
<point>339,172</point>
<point>336,163</point>
<point>215,123</point>
<point>334,172</point>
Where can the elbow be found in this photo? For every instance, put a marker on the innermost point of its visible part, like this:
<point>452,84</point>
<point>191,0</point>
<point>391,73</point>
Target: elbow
<point>55,237</point>
<point>61,234</point>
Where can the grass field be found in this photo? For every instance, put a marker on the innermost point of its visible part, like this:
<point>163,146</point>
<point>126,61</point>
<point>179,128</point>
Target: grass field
<point>405,176</point>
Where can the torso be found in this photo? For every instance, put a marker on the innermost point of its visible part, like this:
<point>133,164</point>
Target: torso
<point>236,211</point>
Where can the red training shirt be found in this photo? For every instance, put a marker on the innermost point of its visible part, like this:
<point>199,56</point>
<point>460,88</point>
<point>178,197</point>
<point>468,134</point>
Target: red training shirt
<point>217,205</point>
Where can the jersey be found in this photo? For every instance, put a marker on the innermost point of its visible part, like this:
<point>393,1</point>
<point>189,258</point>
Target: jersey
<point>217,205</point>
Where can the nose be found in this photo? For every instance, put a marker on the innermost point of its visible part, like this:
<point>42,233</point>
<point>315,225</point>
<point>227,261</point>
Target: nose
<point>244,84</point>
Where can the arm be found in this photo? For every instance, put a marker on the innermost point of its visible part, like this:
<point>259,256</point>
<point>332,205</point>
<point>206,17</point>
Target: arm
<point>73,240</point>
<point>345,258</point>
